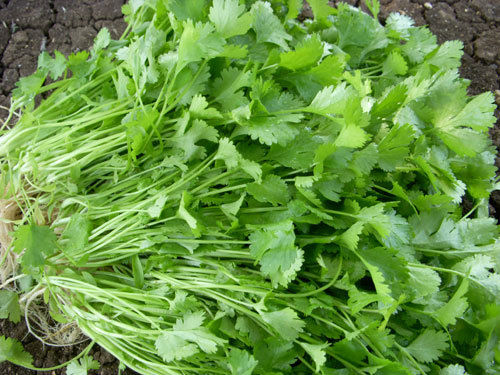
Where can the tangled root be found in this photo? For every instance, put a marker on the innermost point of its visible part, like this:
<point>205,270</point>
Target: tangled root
<point>41,325</point>
<point>38,320</point>
<point>9,211</point>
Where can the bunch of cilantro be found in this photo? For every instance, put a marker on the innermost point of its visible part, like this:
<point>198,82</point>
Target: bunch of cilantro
<point>226,190</point>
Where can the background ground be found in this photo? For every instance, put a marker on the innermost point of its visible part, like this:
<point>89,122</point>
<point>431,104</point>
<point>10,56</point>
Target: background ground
<point>28,27</point>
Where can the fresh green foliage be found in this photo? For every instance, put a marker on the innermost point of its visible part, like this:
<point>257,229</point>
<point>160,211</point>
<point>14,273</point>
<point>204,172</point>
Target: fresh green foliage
<point>82,366</point>
<point>36,241</point>
<point>9,306</point>
<point>226,190</point>
<point>12,350</point>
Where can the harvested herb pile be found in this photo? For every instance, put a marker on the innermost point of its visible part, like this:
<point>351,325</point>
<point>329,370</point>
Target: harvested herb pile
<point>226,190</point>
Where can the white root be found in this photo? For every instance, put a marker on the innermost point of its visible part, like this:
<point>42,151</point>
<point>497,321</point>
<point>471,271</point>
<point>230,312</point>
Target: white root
<point>9,211</point>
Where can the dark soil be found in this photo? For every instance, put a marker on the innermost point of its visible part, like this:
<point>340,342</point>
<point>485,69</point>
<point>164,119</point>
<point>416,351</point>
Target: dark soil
<point>28,27</point>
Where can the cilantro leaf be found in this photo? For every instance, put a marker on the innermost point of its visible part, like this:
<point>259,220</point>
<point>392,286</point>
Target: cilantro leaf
<point>272,189</point>
<point>198,41</point>
<point>268,27</point>
<point>187,337</point>
<point>226,88</point>
<point>275,354</point>
<point>13,351</point>
<point>188,9</point>
<point>37,243</point>
<point>241,362</point>
<point>229,18</point>
<point>294,8</point>
<point>428,346</point>
<point>456,306</point>
<point>286,322</point>
<point>448,55</point>
<point>54,66</point>
<point>82,366</point>
<point>9,306</point>
<point>329,71</point>
<point>271,130</point>
<point>394,147</point>
<point>317,353</point>
<point>76,234</point>
<point>395,64</point>
<point>420,43</point>
<point>102,40</point>
<point>306,54</point>
<point>330,100</point>
<point>274,248</point>
<point>199,108</point>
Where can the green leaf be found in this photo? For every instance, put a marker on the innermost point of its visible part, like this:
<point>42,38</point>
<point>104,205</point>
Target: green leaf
<point>230,18</point>
<point>351,136</point>
<point>275,354</point>
<point>228,153</point>
<point>102,40</point>
<point>390,102</point>
<point>330,70</point>
<point>448,55</point>
<point>187,138</point>
<point>188,9</point>
<point>423,281</point>
<point>231,209</point>
<point>428,346</point>
<point>359,33</point>
<point>394,147</point>
<point>317,353</point>
<point>232,158</point>
<point>478,113</point>
<point>76,234</point>
<point>272,190</point>
<point>29,86</point>
<point>286,322</point>
<point>395,64</point>
<point>330,100</point>
<point>455,132</point>
<point>271,130</point>
<point>297,154</point>
<point>420,43</point>
<point>241,362</point>
<point>375,217</point>
<point>187,337</point>
<point>268,27</point>
<point>400,23</point>
<point>274,248</point>
<point>321,9</point>
<point>184,214</point>
<point>82,366</point>
<point>199,108</point>
<point>54,66</point>
<point>359,299</point>
<point>155,210</point>
<point>225,89</point>
<point>13,351</point>
<point>350,237</point>
<point>294,8</point>
<point>38,242</point>
<point>456,306</point>
<point>350,350</point>
<point>198,41</point>
<point>365,160</point>
<point>383,261</point>
<point>307,53</point>
<point>9,306</point>
<point>374,7</point>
